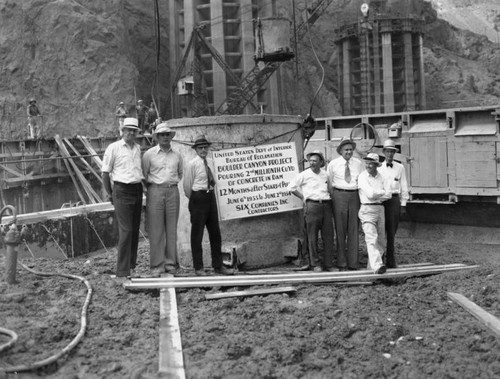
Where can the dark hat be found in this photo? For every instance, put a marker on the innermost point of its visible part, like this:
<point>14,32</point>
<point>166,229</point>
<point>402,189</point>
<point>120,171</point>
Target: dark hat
<point>345,141</point>
<point>200,140</point>
<point>319,154</point>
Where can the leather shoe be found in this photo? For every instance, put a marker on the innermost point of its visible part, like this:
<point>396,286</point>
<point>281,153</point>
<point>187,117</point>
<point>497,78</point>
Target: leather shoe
<point>317,269</point>
<point>331,269</point>
<point>224,271</point>
<point>156,272</point>
<point>200,273</point>
<point>381,270</point>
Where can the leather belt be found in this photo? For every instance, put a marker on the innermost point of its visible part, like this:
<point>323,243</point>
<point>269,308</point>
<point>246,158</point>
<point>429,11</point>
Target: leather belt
<point>345,190</point>
<point>165,185</point>
<point>320,201</point>
<point>372,204</point>
<point>395,195</point>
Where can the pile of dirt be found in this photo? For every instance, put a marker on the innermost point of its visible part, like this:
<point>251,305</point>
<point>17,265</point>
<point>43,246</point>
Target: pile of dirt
<point>393,328</point>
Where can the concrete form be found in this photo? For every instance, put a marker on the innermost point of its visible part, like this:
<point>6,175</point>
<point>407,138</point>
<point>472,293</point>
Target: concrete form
<point>229,28</point>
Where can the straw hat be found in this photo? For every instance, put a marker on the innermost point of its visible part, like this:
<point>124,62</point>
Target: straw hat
<point>389,144</point>
<point>319,154</point>
<point>372,157</point>
<point>345,141</point>
<point>131,123</point>
<point>164,128</point>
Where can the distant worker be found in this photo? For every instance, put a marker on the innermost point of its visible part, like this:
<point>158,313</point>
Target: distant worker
<point>142,110</point>
<point>394,172</point>
<point>199,184</point>
<point>34,113</point>
<point>162,168</point>
<point>311,186</point>
<point>122,164</point>
<point>343,174</point>
<point>151,117</point>
<point>373,190</point>
<point>121,113</point>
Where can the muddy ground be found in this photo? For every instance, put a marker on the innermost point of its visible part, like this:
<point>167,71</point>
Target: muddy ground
<point>391,329</point>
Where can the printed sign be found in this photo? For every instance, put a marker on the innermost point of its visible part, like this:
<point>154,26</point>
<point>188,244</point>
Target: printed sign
<point>253,181</point>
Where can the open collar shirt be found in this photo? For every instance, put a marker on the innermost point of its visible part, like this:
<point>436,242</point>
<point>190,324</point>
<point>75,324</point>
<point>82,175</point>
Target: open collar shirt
<point>336,171</point>
<point>123,162</point>
<point>373,189</point>
<point>312,186</point>
<point>195,175</point>
<point>397,180</point>
<point>162,166</point>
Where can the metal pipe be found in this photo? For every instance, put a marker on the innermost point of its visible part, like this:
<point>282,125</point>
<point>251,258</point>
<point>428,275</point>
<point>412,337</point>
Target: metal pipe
<point>12,239</point>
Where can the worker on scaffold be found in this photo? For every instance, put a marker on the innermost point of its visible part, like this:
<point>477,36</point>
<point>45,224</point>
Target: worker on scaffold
<point>33,113</point>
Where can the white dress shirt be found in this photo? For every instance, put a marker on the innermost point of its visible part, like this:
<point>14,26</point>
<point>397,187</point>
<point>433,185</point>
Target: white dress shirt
<point>123,162</point>
<point>195,175</point>
<point>396,178</point>
<point>312,186</point>
<point>373,189</point>
<point>336,171</point>
<point>162,167</point>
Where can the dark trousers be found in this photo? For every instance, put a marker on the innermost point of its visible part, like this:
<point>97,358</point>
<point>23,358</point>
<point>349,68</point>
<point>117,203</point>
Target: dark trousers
<point>319,217</point>
<point>203,210</point>
<point>127,199</point>
<point>392,209</point>
<point>345,213</point>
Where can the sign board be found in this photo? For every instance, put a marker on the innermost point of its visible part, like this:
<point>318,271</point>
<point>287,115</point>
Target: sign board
<point>253,180</point>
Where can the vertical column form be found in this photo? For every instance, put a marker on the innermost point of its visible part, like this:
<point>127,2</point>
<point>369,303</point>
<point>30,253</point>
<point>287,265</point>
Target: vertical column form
<point>421,81</point>
<point>247,46</point>
<point>346,77</point>
<point>217,32</point>
<point>365,74</point>
<point>387,73</point>
<point>177,32</point>
<point>376,69</point>
<point>409,76</point>
<point>272,88</point>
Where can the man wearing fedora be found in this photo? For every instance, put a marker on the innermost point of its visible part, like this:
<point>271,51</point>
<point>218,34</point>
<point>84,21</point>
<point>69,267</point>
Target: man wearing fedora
<point>162,168</point>
<point>343,173</point>
<point>394,172</point>
<point>311,186</point>
<point>373,191</point>
<point>121,164</point>
<point>199,184</point>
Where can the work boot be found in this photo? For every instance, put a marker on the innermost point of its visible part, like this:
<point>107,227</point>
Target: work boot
<point>224,271</point>
<point>381,270</point>
<point>318,269</point>
<point>200,272</point>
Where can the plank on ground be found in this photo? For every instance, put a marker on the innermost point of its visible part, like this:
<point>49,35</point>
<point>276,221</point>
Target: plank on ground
<point>263,291</point>
<point>475,310</point>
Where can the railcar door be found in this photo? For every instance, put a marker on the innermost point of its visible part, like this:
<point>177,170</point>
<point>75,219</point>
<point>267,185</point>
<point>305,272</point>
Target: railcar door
<point>429,164</point>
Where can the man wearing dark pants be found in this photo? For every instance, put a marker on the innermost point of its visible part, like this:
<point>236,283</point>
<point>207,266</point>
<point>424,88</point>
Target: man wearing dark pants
<point>394,172</point>
<point>162,168</point>
<point>122,165</point>
<point>343,175</point>
<point>199,186</point>
<point>311,186</point>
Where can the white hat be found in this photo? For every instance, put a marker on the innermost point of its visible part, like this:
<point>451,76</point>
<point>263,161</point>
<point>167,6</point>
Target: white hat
<point>389,144</point>
<point>131,123</point>
<point>319,154</point>
<point>164,128</point>
<point>372,157</point>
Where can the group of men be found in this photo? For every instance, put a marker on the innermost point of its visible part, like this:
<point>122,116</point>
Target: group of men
<point>127,175</point>
<point>146,116</point>
<point>349,191</point>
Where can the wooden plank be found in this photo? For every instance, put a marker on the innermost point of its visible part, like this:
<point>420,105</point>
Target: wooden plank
<point>75,182</point>
<point>263,291</point>
<point>311,278</point>
<point>295,274</point>
<point>171,361</point>
<point>16,173</point>
<point>475,310</point>
<point>91,169</point>
<point>95,157</point>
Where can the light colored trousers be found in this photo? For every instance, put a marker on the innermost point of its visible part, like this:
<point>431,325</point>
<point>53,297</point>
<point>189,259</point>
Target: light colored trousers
<point>162,214</point>
<point>373,224</point>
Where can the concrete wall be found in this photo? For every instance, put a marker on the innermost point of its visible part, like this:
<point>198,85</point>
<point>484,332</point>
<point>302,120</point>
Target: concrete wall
<point>261,240</point>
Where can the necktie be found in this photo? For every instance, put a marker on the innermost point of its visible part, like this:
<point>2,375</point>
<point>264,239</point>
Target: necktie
<point>347,173</point>
<point>389,164</point>
<point>210,176</point>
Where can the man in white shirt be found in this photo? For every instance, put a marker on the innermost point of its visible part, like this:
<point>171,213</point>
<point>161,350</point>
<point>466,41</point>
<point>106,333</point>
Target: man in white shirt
<point>394,172</point>
<point>373,190</point>
<point>311,186</point>
<point>343,175</point>
<point>199,184</point>
<point>162,168</point>
<point>122,165</point>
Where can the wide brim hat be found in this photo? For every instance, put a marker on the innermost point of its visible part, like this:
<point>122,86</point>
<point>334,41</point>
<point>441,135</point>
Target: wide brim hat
<point>319,154</point>
<point>345,141</point>
<point>164,128</point>
<point>200,140</point>
<point>389,145</point>
<point>131,123</point>
<point>372,157</point>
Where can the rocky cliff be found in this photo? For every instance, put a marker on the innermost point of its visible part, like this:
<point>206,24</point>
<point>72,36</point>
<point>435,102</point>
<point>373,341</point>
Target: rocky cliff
<point>79,58</point>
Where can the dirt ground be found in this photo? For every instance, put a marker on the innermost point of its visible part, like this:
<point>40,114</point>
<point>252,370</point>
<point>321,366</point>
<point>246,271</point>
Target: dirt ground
<point>391,329</point>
